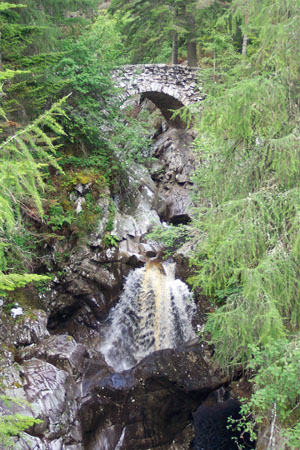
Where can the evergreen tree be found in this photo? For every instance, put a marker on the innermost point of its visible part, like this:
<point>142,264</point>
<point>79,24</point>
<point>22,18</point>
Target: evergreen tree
<point>247,260</point>
<point>24,155</point>
<point>155,29</point>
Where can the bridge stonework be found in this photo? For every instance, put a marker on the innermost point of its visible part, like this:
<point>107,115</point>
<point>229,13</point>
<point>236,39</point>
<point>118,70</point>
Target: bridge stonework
<point>168,86</point>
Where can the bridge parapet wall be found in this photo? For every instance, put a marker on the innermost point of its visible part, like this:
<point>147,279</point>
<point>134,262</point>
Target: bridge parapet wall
<point>177,81</point>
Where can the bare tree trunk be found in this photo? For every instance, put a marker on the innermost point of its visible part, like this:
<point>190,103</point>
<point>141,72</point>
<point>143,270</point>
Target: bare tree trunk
<point>192,54</point>
<point>191,44</point>
<point>0,55</point>
<point>175,48</point>
<point>245,42</point>
<point>245,37</point>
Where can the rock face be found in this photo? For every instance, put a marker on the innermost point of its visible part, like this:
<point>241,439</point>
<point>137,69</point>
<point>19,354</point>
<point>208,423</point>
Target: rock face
<point>42,375</point>
<point>149,405</point>
<point>82,402</point>
<point>173,178</point>
<point>92,283</point>
<point>270,435</point>
<point>94,279</point>
<point>24,330</point>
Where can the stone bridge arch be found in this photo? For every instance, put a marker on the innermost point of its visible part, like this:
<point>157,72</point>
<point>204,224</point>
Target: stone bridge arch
<point>169,87</point>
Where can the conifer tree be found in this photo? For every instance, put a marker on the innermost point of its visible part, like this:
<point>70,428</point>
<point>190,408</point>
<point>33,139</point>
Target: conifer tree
<point>248,254</point>
<point>152,27</point>
<point>24,154</point>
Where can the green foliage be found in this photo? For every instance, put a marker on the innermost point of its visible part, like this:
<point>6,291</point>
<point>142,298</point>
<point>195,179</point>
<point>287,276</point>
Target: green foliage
<point>110,240</point>
<point>131,138</point>
<point>60,211</point>
<point>13,424</point>
<point>57,217</point>
<point>275,399</point>
<point>85,68</point>
<point>149,26</point>
<point>145,29</point>
<point>111,217</point>
<point>6,6</point>
<point>24,156</point>
<point>32,39</point>
<point>248,196</point>
<point>10,282</point>
<point>247,258</point>
<point>171,237</point>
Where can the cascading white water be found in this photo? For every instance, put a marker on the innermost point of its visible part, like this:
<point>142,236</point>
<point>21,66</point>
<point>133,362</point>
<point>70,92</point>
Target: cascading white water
<point>154,312</point>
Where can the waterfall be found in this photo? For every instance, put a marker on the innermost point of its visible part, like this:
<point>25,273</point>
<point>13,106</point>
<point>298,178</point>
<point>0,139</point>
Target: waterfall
<point>154,312</point>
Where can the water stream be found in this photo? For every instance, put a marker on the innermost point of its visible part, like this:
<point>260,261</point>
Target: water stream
<point>154,312</point>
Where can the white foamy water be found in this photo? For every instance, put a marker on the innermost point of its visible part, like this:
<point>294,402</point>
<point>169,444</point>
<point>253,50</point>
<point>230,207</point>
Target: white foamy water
<point>154,312</point>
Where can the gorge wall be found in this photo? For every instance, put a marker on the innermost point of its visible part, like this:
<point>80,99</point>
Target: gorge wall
<point>67,358</point>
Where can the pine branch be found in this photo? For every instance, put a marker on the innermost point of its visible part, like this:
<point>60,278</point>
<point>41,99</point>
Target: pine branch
<point>22,157</point>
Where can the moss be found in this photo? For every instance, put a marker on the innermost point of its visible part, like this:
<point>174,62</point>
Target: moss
<point>27,298</point>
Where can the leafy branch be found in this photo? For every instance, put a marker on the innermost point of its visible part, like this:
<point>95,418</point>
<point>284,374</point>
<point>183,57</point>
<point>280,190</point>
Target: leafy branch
<point>23,157</point>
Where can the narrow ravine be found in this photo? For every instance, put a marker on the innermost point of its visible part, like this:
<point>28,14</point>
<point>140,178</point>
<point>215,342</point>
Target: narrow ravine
<point>123,367</point>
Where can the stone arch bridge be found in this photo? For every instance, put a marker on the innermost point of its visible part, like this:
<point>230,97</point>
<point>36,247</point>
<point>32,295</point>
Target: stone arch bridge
<point>169,87</point>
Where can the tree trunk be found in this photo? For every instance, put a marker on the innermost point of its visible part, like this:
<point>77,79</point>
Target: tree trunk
<point>245,42</point>
<point>175,48</point>
<point>190,38</point>
<point>245,36</point>
<point>192,54</point>
<point>0,55</point>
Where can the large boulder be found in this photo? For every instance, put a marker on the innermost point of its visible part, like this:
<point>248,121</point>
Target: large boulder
<point>27,328</point>
<point>62,351</point>
<point>149,405</point>
<point>44,392</point>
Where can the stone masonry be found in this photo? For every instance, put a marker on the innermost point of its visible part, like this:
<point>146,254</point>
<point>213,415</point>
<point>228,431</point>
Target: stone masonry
<point>168,86</point>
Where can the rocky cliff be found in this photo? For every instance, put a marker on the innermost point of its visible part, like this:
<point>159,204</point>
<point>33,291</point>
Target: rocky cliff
<point>51,360</point>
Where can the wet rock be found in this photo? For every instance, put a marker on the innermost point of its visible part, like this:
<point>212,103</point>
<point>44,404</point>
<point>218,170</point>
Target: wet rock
<point>83,188</point>
<point>150,404</point>
<point>270,435</point>
<point>16,312</point>
<point>30,328</point>
<point>61,351</point>
<point>79,204</point>
<point>94,278</point>
<point>53,395</point>
<point>45,392</point>
<point>28,442</point>
<point>136,253</point>
<point>83,297</point>
<point>172,174</point>
<point>96,369</point>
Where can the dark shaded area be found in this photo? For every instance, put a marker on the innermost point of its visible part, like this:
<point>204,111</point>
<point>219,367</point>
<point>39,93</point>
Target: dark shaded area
<point>150,404</point>
<point>180,219</point>
<point>212,431</point>
<point>166,103</point>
